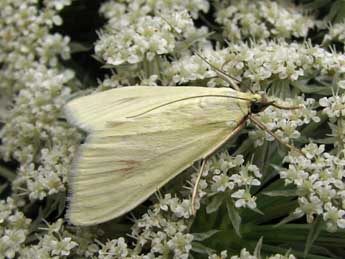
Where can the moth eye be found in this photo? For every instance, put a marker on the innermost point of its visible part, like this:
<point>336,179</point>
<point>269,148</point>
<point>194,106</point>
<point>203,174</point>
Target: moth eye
<point>255,107</point>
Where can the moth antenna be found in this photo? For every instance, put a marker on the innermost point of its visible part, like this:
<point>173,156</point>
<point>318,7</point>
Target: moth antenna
<point>262,126</point>
<point>187,98</point>
<point>220,73</point>
<point>228,78</point>
<point>286,107</point>
<point>233,78</point>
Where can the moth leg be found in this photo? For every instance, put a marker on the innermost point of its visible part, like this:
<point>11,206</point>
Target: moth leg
<point>262,126</point>
<point>196,185</point>
<point>204,161</point>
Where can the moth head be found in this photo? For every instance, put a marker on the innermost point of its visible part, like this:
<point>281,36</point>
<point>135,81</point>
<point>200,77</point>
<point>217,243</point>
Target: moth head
<point>260,103</point>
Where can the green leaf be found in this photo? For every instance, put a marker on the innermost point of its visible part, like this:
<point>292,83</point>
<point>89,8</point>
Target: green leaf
<point>257,251</point>
<point>337,12</point>
<point>313,127</point>
<point>313,234</point>
<point>316,4</point>
<point>7,174</point>
<point>315,89</point>
<point>284,193</point>
<point>201,249</point>
<point>234,216</point>
<point>276,167</point>
<point>258,211</point>
<point>204,235</point>
<point>3,187</point>
<point>35,224</point>
<point>215,203</point>
<point>62,203</point>
<point>328,140</point>
<point>287,219</point>
<point>77,47</point>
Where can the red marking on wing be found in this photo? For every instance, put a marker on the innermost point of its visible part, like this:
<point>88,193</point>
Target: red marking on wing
<point>131,164</point>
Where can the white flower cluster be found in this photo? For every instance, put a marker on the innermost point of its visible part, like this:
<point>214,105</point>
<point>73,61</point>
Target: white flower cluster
<point>222,255</point>
<point>244,254</point>
<point>36,138</point>
<point>262,19</point>
<point>258,64</point>
<point>145,35</point>
<point>285,123</point>
<point>187,69</point>
<point>336,33</point>
<point>334,107</point>
<point>163,229</point>
<point>14,228</point>
<point>319,179</point>
<point>54,243</point>
<point>143,40</point>
<point>26,42</point>
<point>229,175</point>
<point>32,134</point>
<point>116,248</point>
<point>26,39</point>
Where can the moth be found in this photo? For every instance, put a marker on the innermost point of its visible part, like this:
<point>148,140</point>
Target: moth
<point>139,138</point>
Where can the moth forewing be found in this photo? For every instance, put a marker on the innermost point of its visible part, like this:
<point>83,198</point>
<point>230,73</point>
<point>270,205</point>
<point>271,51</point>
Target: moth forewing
<point>93,111</point>
<point>127,157</point>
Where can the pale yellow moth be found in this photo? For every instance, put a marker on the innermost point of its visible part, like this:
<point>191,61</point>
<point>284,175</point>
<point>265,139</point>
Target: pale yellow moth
<point>142,137</point>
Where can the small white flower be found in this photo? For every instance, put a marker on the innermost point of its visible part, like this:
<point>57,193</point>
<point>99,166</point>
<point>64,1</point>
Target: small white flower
<point>244,199</point>
<point>63,247</point>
